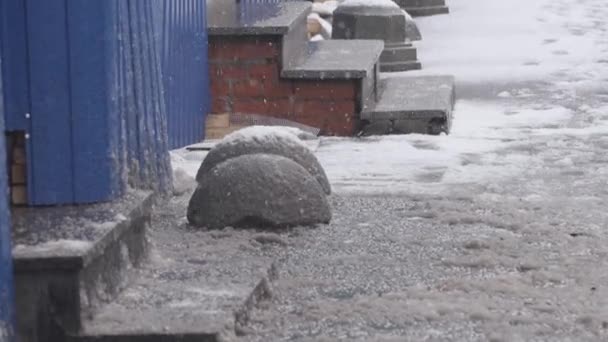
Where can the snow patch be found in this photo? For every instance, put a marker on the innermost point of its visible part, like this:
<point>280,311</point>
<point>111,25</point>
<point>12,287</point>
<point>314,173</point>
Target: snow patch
<point>325,8</point>
<point>54,247</point>
<point>369,3</point>
<point>264,134</point>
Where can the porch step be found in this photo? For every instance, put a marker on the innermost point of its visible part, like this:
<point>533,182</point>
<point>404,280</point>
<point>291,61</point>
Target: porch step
<point>400,66</point>
<point>420,3</point>
<point>418,8</point>
<point>262,64</point>
<point>427,10</point>
<point>405,52</point>
<point>229,18</point>
<point>69,261</point>
<point>198,285</point>
<point>412,104</point>
<point>337,59</point>
<point>180,303</point>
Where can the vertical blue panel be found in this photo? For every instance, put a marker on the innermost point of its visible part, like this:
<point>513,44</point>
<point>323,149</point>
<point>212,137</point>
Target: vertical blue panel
<point>126,93</point>
<point>141,93</point>
<point>158,115</point>
<point>185,69</point>
<point>50,155</point>
<point>6,270</point>
<point>94,122</point>
<point>143,110</point>
<point>14,46</point>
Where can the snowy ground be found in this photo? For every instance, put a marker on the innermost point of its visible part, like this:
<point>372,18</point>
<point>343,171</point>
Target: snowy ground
<point>496,232</point>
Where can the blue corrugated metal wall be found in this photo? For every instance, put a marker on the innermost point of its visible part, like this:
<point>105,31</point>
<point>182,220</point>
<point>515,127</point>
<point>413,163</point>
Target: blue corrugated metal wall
<point>140,94</point>
<point>182,28</point>
<point>103,89</point>
<point>6,270</point>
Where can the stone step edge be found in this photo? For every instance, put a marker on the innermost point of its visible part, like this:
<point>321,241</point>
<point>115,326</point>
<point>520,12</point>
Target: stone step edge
<point>262,291</point>
<point>430,113</point>
<point>76,291</point>
<point>427,11</point>
<point>400,66</point>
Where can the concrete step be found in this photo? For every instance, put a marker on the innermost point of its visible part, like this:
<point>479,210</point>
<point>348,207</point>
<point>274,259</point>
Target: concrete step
<point>419,3</point>
<point>342,60</point>
<point>286,19</point>
<point>70,261</point>
<point>412,104</point>
<point>208,303</point>
<point>261,63</point>
<point>337,59</point>
<point>406,52</point>
<point>199,285</point>
<point>400,66</point>
<point>427,10</point>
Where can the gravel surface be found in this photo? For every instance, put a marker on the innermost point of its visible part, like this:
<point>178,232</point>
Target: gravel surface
<point>494,233</point>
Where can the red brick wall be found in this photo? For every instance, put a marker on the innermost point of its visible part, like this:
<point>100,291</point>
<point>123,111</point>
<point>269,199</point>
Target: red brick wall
<point>245,78</point>
<point>16,163</point>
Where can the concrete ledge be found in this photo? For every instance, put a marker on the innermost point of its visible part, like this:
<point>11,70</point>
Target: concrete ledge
<point>71,260</point>
<point>70,237</point>
<point>208,303</point>
<point>234,18</point>
<point>412,104</point>
<point>400,66</point>
<point>337,59</point>
<point>427,11</point>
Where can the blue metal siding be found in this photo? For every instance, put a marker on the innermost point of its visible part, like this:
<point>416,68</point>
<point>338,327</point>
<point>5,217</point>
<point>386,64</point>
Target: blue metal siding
<point>142,128</point>
<point>110,86</point>
<point>182,29</point>
<point>7,313</point>
<point>13,41</point>
<point>50,156</point>
<point>92,115</point>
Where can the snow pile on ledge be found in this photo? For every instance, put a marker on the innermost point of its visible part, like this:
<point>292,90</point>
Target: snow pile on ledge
<point>56,247</point>
<point>326,28</point>
<point>370,3</point>
<point>267,133</point>
<point>325,8</point>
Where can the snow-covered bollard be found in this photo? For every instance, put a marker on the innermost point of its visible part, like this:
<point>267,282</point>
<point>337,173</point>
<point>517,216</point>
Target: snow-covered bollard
<point>260,176</point>
<point>258,190</point>
<point>282,141</point>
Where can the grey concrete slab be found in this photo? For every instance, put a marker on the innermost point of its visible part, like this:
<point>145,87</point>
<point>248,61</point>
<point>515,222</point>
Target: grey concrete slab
<point>400,66</point>
<point>420,3</point>
<point>427,11</point>
<point>412,99</point>
<point>71,260</point>
<point>378,22</point>
<point>399,53</point>
<point>240,18</point>
<point>369,22</point>
<point>199,285</point>
<point>70,237</point>
<point>295,43</point>
<point>337,59</point>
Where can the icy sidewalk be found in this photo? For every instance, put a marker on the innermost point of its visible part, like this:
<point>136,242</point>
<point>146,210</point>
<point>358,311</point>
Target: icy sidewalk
<point>496,232</point>
<point>525,79</point>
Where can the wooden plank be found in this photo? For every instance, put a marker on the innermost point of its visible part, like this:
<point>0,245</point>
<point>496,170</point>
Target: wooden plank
<point>217,120</point>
